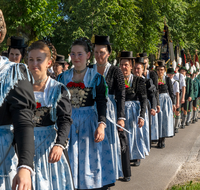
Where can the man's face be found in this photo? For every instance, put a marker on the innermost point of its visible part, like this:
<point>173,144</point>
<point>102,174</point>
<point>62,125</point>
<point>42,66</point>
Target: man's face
<point>2,27</point>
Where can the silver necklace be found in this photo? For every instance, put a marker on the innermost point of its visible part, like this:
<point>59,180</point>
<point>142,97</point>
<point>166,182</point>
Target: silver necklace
<point>79,71</point>
<point>40,81</point>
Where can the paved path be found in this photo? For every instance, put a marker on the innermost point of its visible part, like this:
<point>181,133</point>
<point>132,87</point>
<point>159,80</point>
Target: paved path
<point>161,166</point>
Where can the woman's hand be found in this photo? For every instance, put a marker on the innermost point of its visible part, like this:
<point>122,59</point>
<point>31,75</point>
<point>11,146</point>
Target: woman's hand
<point>140,122</point>
<point>153,112</point>
<point>121,123</point>
<point>55,154</point>
<point>22,179</point>
<point>99,133</point>
<point>158,109</point>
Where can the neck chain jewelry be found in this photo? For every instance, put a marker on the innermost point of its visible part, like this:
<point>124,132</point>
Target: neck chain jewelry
<point>79,71</point>
<point>40,81</point>
<point>99,65</point>
<point>127,77</point>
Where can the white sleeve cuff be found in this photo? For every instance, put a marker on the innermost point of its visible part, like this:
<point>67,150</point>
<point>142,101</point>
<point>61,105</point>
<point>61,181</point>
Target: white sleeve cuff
<point>61,146</point>
<point>102,123</point>
<point>141,118</point>
<point>27,167</point>
<point>121,118</point>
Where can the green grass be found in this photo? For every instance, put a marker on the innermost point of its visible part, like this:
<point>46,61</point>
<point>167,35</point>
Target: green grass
<point>189,186</point>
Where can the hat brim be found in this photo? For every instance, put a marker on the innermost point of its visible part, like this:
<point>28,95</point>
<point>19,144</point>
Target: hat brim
<point>171,73</point>
<point>18,47</point>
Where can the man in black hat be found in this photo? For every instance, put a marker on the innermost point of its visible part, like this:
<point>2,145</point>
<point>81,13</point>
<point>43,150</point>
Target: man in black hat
<point>16,49</point>
<point>16,104</point>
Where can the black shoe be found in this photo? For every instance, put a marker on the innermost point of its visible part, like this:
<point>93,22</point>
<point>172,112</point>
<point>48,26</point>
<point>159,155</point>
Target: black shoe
<point>159,145</point>
<point>137,163</point>
<point>187,123</point>
<point>193,121</point>
<point>163,145</point>
<point>126,179</point>
<point>182,126</point>
<point>176,130</point>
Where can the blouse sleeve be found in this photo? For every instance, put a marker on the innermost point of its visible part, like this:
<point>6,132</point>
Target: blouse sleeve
<point>101,100</point>
<point>142,93</point>
<point>64,120</point>
<point>170,89</point>
<point>119,86</point>
<point>21,105</point>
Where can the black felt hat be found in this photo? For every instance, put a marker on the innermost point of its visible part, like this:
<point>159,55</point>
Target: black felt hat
<point>16,42</point>
<point>170,71</point>
<point>126,54</point>
<point>101,40</point>
<point>60,59</point>
<point>160,63</point>
<point>144,54</point>
<point>139,60</point>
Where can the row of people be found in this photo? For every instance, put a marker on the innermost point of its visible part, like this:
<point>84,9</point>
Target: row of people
<point>102,100</point>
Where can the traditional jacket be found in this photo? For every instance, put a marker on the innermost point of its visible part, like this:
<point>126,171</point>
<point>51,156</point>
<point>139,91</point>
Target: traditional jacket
<point>189,88</point>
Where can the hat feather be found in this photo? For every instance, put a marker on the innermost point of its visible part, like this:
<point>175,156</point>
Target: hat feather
<point>187,66</point>
<point>94,61</point>
<point>191,70</point>
<point>115,62</point>
<point>174,65</point>
<point>179,61</point>
<point>197,65</point>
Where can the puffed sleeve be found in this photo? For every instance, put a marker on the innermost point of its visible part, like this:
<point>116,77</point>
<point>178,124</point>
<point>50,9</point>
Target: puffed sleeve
<point>21,105</point>
<point>119,86</point>
<point>170,89</point>
<point>142,94</point>
<point>64,121</point>
<point>154,78</point>
<point>101,100</point>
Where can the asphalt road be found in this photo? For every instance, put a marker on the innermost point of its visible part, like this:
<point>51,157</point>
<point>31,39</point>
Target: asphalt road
<point>160,167</point>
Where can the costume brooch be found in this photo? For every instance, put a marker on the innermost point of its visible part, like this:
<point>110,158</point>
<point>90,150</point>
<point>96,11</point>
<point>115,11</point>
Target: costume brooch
<point>78,93</point>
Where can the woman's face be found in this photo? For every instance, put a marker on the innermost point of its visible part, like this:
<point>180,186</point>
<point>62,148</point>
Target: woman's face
<point>79,56</point>
<point>38,63</point>
<point>15,55</point>
<point>126,67</point>
<point>160,71</point>
<point>138,69</point>
<point>101,54</point>
<point>57,68</point>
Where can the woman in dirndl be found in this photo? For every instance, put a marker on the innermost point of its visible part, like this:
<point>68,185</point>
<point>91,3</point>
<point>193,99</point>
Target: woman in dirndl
<point>167,104</point>
<point>115,113</point>
<point>52,120</point>
<point>89,149</point>
<point>143,118</point>
<point>16,127</point>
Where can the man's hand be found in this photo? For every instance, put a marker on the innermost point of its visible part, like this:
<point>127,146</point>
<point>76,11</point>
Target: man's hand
<point>189,99</point>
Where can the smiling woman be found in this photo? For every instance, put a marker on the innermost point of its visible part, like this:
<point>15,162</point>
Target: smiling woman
<point>53,107</point>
